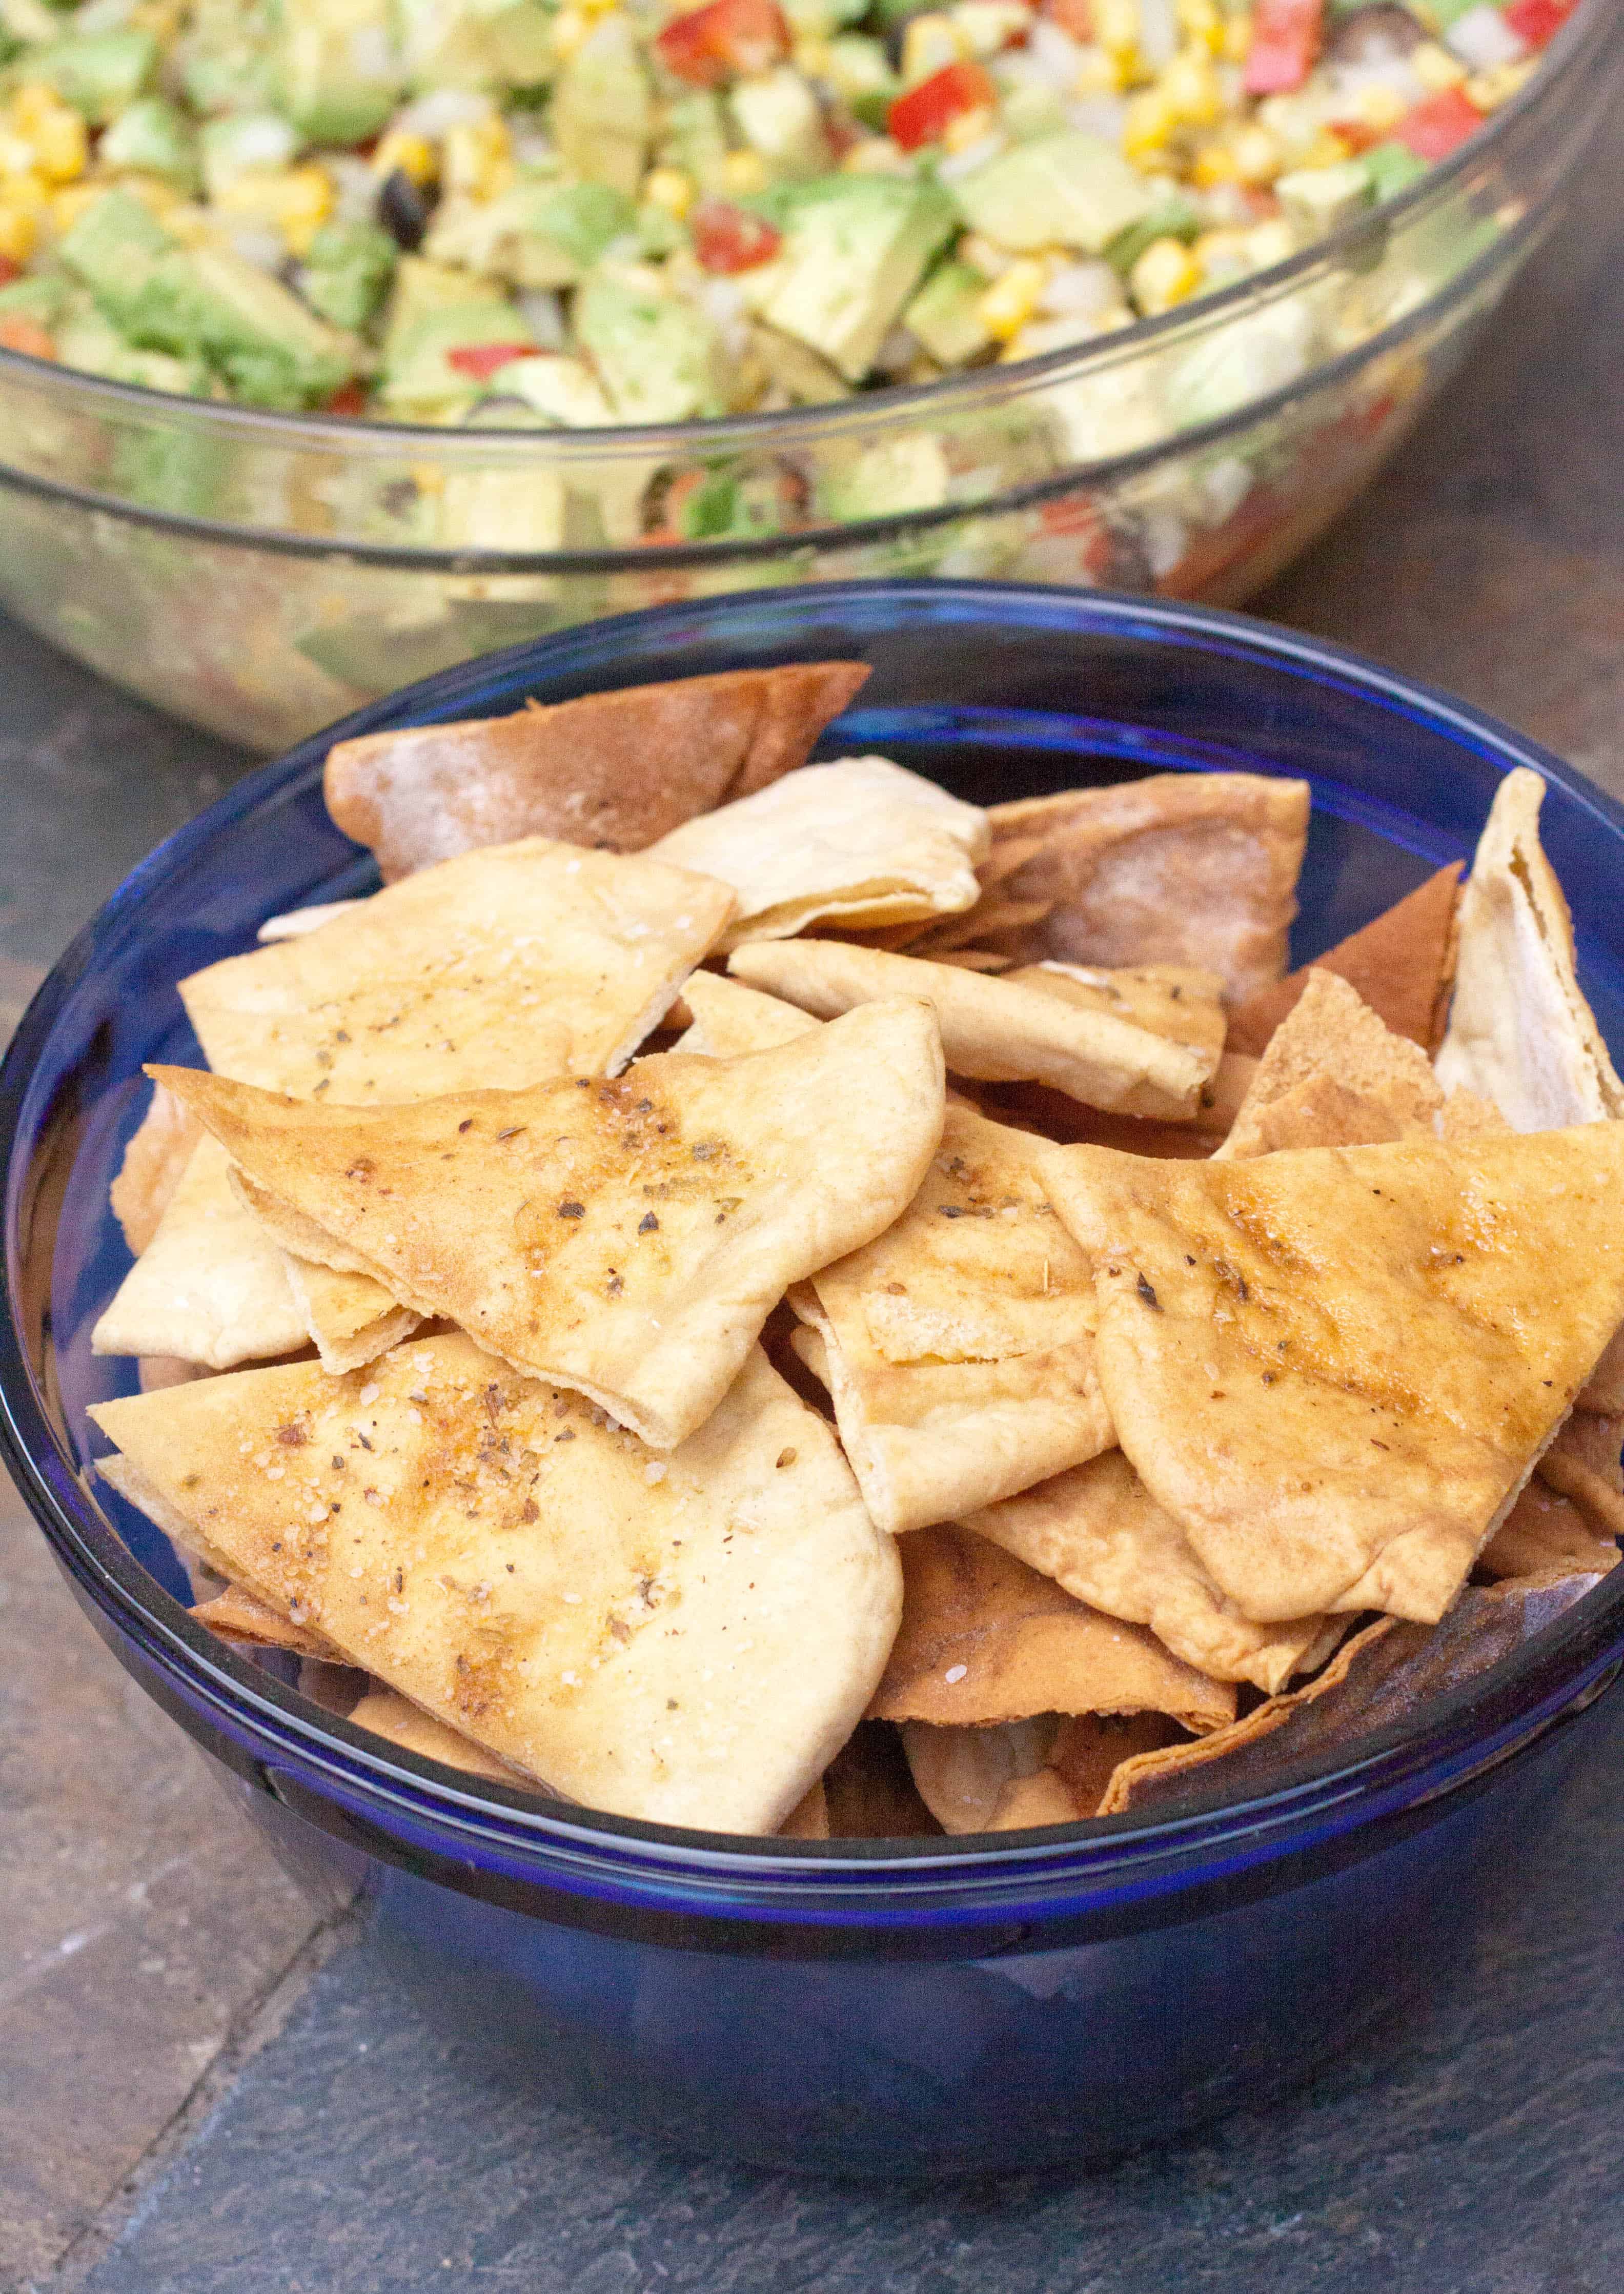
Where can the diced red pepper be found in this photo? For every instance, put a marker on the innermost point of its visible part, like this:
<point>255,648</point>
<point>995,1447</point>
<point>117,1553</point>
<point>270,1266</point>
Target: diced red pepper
<point>920,115</point>
<point>1074,16</point>
<point>482,360</point>
<point>729,239</point>
<point>711,44</point>
<point>1357,134</point>
<point>8,271</point>
<point>1536,22</point>
<point>1436,125</point>
<point>351,399</point>
<point>19,332</point>
<point>1284,45</point>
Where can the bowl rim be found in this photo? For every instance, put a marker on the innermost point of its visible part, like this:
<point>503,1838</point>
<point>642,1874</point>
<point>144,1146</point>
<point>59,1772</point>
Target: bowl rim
<point>1466,1732</point>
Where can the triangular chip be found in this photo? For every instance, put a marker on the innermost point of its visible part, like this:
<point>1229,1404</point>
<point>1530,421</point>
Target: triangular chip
<point>686,1639</point>
<point>1174,1000</point>
<point>488,972</point>
<point>1520,1033</point>
<point>629,1239</point>
<point>1546,1530</point>
<point>349,1318</point>
<point>726,1018</point>
<point>860,842</point>
<point>1335,1076</point>
<point>869,1792</point>
<point>983,1638</point>
<point>1335,1367</point>
<point>400,1722</point>
<point>1099,1533</point>
<point>960,1343</point>
<point>1401,964</point>
<point>612,768</point>
<point>153,1167</point>
<point>992,1029</point>
<point>242,1617</point>
<point>1197,869</point>
<point>1015,1774</point>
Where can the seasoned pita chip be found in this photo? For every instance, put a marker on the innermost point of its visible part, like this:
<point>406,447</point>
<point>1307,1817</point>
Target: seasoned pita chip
<point>958,1347</point>
<point>869,1793</point>
<point>153,1167</point>
<point>992,1030</point>
<point>1402,966</point>
<point>1197,868</point>
<point>1013,1774</point>
<point>1545,1530</point>
<point>1381,1677</point>
<point>1336,1367</point>
<point>686,1639</point>
<point>861,842</point>
<point>1174,1000</point>
<point>983,1638</point>
<point>616,769</point>
<point>490,972</point>
<point>237,1616</point>
<point>400,1722</point>
<point>726,1018</point>
<point>1335,1076</point>
<point>1099,1533</point>
<point>1520,1033</point>
<point>211,1286</point>
<point>627,1239</point>
<point>349,1318</point>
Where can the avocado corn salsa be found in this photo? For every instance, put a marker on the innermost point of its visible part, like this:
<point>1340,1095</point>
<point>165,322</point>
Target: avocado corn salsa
<point>507,212</point>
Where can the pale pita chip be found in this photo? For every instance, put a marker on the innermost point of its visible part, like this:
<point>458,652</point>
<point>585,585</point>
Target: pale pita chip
<point>489,972</point>
<point>687,1639</point>
<point>399,1721</point>
<point>983,1638</point>
<point>1197,869</point>
<point>992,1030</point>
<point>1336,1367</point>
<point>1401,964</point>
<point>153,1167</point>
<point>349,1318</point>
<point>1014,1775</point>
<point>296,922</point>
<point>1334,1076</point>
<point>629,1239</point>
<point>1174,1000</point>
<point>1099,1533</point>
<point>726,1018</point>
<point>959,1344</point>
<point>238,1616</point>
<point>861,842</point>
<point>1520,1033</point>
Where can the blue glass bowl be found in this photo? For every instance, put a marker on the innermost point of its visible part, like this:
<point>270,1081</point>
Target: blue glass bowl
<point>899,2008</point>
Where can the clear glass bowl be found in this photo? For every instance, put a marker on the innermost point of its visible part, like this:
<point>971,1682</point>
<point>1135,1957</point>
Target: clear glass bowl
<point>262,574</point>
<point>888,2007</point>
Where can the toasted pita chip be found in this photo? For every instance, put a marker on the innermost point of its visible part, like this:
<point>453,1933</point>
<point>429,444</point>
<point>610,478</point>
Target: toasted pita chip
<point>1520,1033</point>
<point>958,1347</point>
<point>992,1030</point>
<point>861,842</point>
<point>153,1167</point>
<point>1197,869</point>
<point>870,1792</point>
<point>487,972</point>
<point>1336,1367</point>
<point>1174,1000</point>
<point>1015,1774</point>
<point>983,1638</point>
<point>1597,1443</point>
<point>156,1371</point>
<point>1382,1676</point>
<point>808,1819</point>
<point>726,1018</point>
<point>400,1722</point>
<point>1068,1123</point>
<point>1335,1076</point>
<point>1099,1533</point>
<point>1545,1530</point>
<point>619,770</point>
<point>1402,966</point>
<point>238,1616</point>
<point>628,1238</point>
<point>688,1639</point>
<point>296,922</point>
<point>349,1318</point>
<point>944,937</point>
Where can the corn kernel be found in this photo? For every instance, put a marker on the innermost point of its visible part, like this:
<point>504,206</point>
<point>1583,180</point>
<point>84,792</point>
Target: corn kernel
<point>593,9</point>
<point>476,158</point>
<point>1379,106</point>
<point>967,127</point>
<point>811,58</point>
<point>53,129</point>
<point>23,205</point>
<point>746,173</point>
<point>1147,125</point>
<point>874,155</point>
<point>571,27</point>
<point>411,156</point>
<point>1101,73</point>
<point>1269,243</point>
<point>1116,25</point>
<point>1490,89</point>
<point>930,43</point>
<point>1257,156</point>
<point>1236,39</point>
<point>1166,274</point>
<point>68,204</point>
<point>1010,301</point>
<point>1213,164</point>
<point>1189,87</point>
<point>1435,68</point>
<point>1202,23</point>
<point>295,200</point>
<point>671,189</point>
<point>16,155</point>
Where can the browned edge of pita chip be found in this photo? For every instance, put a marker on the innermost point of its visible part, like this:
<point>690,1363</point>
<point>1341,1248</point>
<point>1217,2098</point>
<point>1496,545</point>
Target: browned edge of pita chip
<point>154,1163</point>
<point>241,1616</point>
<point>1402,964</point>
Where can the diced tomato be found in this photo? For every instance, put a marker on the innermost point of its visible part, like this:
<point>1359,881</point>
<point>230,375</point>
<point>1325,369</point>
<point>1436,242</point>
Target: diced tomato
<point>1537,21</point>
<point>20,333</point>
<point>351,399</point>
<point>920,115</point>
<point>482,360</point>
<point>8,271</point>
<point>1436,125</point>
<point>729,239</point>
<point>1284,43</point>
<point>1357,134</point>
<point>711,44</point>
<point>1074,16</point>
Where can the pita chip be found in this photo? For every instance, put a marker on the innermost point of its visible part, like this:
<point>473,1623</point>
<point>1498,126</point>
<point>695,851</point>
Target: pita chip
<point>400,1722</point>
<point>1520,1033</point>
<point>1188,868</point>
<point>154,1164</point>
<point>861,842</point>
<point>1546,1530</point>
<point>349,1318</point>
<point>1335,1367</point>
<point>489,972</point>
<point>616,770</point>
<point>726,1018</point>
<point>628,1238</point>
<point>687,1639</point>
<point>958,1346</point>
<point>1174,1000</point>
<point>808,1819</point>
<point>1016,1774</point>
<point>993,1029</point>
<point>1401,964</point>
<point>1335,1076</point>
<point>295,922</point>
<point>1099,1533</point>
<point>983,1638</point>
<point>869,1793</point>
<point>242,1617</point>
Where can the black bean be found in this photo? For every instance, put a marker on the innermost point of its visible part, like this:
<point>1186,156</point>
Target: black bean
<point>403,210</point>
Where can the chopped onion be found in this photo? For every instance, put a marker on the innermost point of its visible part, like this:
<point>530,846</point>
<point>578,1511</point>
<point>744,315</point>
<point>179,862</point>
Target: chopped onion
<point>1483,39</point>
<point>443,107</point>
<point>543,313</point>
<point>1085,289</point>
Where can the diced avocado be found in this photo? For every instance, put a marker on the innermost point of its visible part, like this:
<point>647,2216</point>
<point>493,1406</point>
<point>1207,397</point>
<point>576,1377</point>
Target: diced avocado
<point>336,67</point>
<point>804,377</point>
<point>1171,217</point>
<point>1391,167</point>
<point>87,340</point>
<point>114,247</point>
<point>1316,200</point>
<point>658,359</point>
<point>153,138</point>
<point>44,298</point>
<point>1070,190</point>
<point>946,314</point>
<point>816,20</point>
<point>535,234</point>
<point>422,287</point>
<point>1252,355</point>
<point>887,478</point>
<point>853,253</point>
<point>1032,108</point>
<point>273,352</point>
<point>347,272</point>
<point>696,137</point>
<point>502,509</point>
<point>474,43</point>
<point>858,68</point>
<point>779,114</point>
<point>563,389</point>
<point>419,379</point>
<point>99,73</point>
<point>602,116</point>
<point>243,143</point>
<point>519,41</point>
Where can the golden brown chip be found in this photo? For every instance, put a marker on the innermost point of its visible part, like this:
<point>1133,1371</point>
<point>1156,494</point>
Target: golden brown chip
<point>399,1721</point>
<point>153,1167</point>
<point>808,1819</point>
<point>1014,1775</point>
<point>1546,1530</point>
<point>1335,1076</point>
<point>1335,1367</point>
<point>616,770</point>
<point>238,1616</point>
<point>350,1319</point>
<point>726,1018</point>
<point>1401,964</point>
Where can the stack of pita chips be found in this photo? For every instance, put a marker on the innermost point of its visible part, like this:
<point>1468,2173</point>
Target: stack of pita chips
<point>1005,1353</point>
